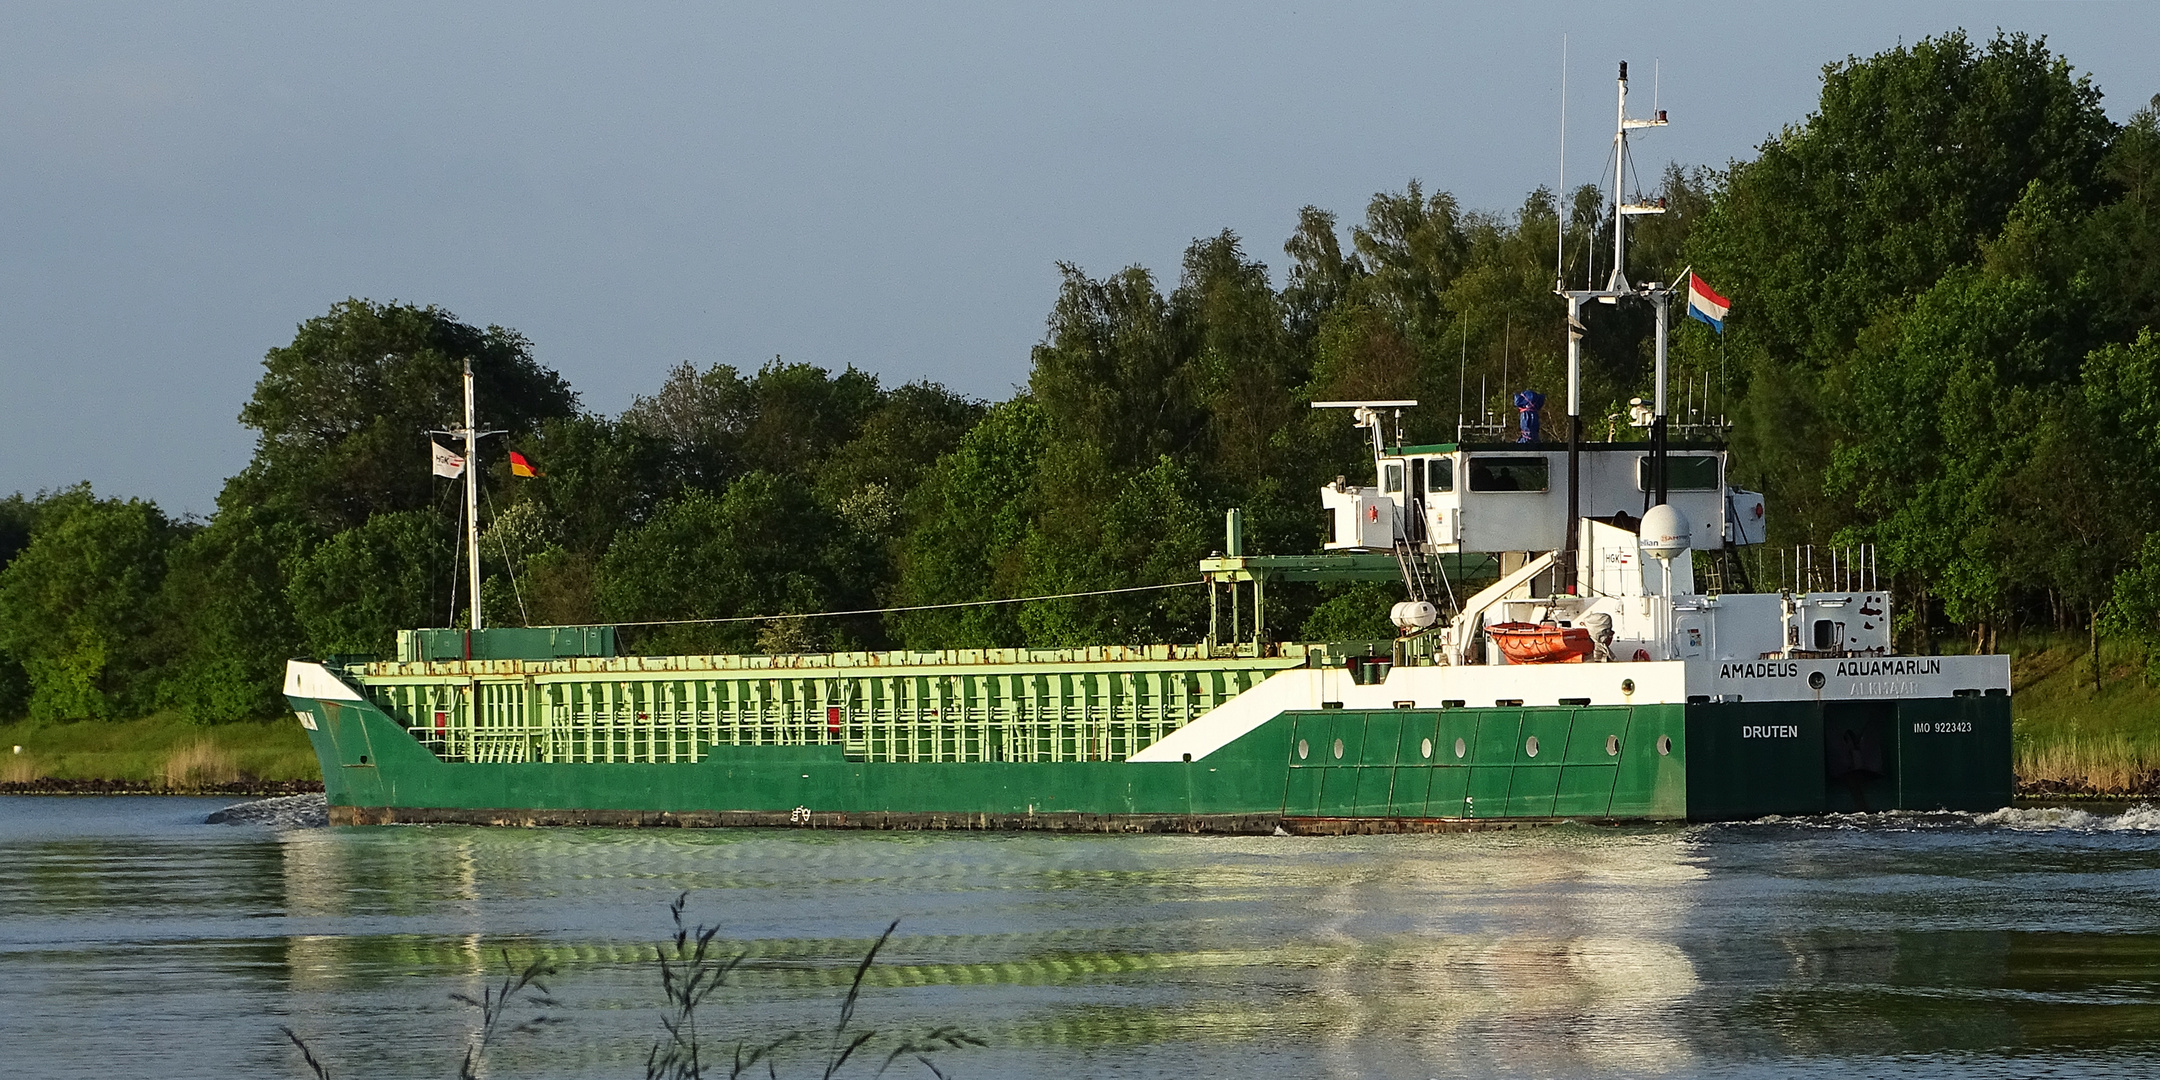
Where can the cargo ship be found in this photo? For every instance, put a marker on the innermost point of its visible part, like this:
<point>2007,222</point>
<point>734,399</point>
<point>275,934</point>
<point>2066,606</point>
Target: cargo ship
<point>1589,676</point>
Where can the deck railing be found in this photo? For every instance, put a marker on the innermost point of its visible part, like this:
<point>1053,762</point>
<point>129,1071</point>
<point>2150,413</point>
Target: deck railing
<point>1075,710</point>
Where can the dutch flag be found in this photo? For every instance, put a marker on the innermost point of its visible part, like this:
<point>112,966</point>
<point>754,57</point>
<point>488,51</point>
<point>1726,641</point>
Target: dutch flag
<point>1706,305</point>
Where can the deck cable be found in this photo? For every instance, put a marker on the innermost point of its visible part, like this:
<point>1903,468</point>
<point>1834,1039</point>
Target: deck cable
<point>914,607</point>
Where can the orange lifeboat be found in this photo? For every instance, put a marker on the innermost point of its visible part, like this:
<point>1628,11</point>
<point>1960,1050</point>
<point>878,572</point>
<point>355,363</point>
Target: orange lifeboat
<point>1540,643</point>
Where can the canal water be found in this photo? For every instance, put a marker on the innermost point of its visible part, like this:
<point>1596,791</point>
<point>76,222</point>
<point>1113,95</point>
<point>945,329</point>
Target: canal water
<point>138,940</point>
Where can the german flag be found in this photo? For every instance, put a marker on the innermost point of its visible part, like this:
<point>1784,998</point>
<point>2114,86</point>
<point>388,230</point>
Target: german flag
<point>521,467</point>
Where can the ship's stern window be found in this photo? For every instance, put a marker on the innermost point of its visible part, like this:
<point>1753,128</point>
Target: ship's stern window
<point>1508,474</point>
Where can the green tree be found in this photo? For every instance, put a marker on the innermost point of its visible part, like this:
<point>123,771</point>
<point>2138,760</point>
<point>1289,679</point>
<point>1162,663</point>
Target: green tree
<point>225,625</point>
<point>764,547</point>
<point>787,418</point>
<point>18,518</point>
<point>1947,404</point>
<point>967,526</point>
<point>1412,246</point>
<point>868,478</point>
<point>76,605</point>
<point>1149,528</point>
<point>1111,375</point>
<point>340,412</point>
<point>2121,243</point>
<point>355,591</point>
<point>1913,158</point>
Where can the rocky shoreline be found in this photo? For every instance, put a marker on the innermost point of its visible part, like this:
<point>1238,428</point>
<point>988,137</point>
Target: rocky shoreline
<point>2146,786</point>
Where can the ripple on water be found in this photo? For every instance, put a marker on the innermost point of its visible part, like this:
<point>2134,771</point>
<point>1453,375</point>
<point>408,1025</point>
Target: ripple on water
<point>141,939</point>
<point>280,812</point>
<point>2141,818</point>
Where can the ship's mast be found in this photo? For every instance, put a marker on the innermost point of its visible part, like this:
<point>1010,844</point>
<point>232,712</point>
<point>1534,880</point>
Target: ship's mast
<point>472,494</point>
<point>472,435</point>
<point>1656,293</point>
<point>1616,287</point>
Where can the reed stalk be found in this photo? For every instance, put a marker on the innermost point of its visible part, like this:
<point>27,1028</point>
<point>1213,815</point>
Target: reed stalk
<point>692,969</point>
<point>198,765</point>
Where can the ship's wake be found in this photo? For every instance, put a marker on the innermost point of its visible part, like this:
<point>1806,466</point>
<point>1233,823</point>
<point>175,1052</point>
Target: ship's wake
<point>2137,818</point>
<point>279,812</point>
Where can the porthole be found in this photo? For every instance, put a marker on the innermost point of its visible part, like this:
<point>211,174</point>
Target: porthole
<point>1627,686</point>
<point>1529,746</point>
<point>1338,749</point>
<point>1461,749</point>
<point>1303,749</point>
<point>1425,748</point>
<point>1612,746</point>
<point>1815,679</point>
<point>1664,745</point>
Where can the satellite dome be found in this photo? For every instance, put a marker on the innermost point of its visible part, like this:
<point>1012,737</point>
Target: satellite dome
<point>1664,532</point>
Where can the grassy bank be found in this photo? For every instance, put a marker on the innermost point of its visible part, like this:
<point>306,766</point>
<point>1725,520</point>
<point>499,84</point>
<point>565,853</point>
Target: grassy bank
<point>160,752</point>
<point>2073,739</point>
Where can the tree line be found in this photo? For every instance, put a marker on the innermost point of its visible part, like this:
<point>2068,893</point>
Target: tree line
<point>1944,283</point>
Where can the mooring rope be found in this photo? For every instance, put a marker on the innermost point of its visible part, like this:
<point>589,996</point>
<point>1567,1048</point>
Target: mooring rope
<point>913,607</point>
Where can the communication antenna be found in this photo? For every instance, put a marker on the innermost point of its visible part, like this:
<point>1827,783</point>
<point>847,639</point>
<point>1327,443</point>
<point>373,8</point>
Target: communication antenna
<point>1559,258</point>
<point>1462,380</point>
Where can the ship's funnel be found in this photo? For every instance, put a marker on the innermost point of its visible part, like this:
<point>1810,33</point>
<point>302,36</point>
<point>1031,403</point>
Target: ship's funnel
<point>1664,532</point>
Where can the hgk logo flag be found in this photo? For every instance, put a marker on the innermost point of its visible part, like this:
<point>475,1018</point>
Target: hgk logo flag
<point>447,463</point>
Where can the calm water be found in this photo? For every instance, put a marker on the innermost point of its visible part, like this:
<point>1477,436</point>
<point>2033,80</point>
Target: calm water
<point>135,940</point>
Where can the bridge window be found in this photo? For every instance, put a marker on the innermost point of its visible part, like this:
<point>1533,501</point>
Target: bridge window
<point>1508,474</point>
<point>1440,474</point>
<point>1392,478</point>
<point>1681,474</point>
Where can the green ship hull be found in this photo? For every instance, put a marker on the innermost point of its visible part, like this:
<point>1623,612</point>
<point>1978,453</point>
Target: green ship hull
<point>1145,740</point>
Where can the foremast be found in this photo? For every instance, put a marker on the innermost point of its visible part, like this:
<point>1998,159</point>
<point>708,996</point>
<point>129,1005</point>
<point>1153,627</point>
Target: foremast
<point>472,435</point>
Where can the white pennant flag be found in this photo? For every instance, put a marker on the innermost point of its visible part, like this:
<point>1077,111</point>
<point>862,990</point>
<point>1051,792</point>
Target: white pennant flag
<point>447,463</point>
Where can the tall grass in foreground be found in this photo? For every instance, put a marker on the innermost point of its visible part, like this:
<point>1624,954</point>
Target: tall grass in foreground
<point>2073,738</point>
<point>693,1046</point>
<point>2104,764</point>
<point>198,765</point>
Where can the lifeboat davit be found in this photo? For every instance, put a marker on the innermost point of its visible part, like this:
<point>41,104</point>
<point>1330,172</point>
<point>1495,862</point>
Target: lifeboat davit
<point>1540,643</point>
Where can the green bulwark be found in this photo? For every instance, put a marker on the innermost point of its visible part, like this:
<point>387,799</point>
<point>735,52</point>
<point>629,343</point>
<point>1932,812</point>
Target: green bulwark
<point>995,741</point>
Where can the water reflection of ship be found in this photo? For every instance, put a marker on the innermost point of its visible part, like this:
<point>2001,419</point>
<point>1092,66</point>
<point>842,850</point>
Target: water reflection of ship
<point>1574,982</point>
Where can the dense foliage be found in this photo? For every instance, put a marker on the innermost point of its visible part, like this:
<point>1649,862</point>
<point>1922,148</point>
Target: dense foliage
<point>1945,283</point>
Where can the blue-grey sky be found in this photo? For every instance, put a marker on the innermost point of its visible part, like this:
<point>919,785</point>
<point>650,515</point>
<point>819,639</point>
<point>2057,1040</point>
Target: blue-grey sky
<point>884,185</point>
